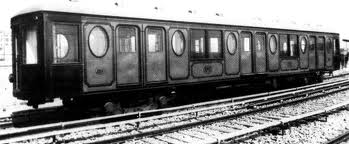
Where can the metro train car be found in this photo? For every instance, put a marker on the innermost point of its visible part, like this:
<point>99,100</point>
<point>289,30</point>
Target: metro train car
<point>92,55</point>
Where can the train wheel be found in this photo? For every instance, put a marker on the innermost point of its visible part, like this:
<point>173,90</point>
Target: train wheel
<point>275,84</point>
<point>305,81</point>
<point>112,108</point>
<point>68,102</point>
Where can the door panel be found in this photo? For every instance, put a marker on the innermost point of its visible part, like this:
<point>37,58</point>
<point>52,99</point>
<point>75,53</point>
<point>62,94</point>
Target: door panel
<point>155,55</point>
<point>99,68</point>
<point>28,64</point>
<point>303,52</point>
<point>179,61</point>
<point>329,53</point>
<point>246,57</point>
<point>28,60</point>
<point>127,58</point>
<point>232,53</point>
<point>312,56</point>
<point>65,70</point>
<point>320,53</point>
<point>260,63</point>
<point>273,52</point>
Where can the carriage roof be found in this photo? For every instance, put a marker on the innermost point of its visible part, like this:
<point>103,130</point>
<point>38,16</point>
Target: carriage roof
<point>157,12</point>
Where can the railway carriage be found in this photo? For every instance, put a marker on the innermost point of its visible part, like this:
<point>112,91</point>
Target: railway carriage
<point>79,55</point>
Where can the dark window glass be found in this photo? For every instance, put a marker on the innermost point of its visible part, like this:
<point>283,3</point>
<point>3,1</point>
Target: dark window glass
<point>199,49</point>
<point>214,42</point>
<point>321,43</point>
<point>127,39</point>
<point>260,42</point>
<point>284,51</point>
<point>155,39</point>
<point>312,43</point>
<point>198,43</point>
<point>329,45</point>
<point>289,46</point>
<point>293,46</point>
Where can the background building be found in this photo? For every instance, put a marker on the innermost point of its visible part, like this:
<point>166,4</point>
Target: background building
<point>5,49</point>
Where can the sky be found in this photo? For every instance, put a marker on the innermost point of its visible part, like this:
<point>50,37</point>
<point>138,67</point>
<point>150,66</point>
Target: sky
<point>319,13</point>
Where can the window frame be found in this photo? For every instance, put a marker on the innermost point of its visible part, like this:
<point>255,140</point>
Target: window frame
<point>323,46</point>
<point>193,54</point>
<point>305,45</point>
<point>207,55</point>
<point>329,48</point>
<point>118,38</point>
<point>78,49</point>
<point>236,43</point>
<point>315,42</point>
<point>163,33</point>
<point>288,38</point>
<point>212,34</point>
<point>107,41</point>
<point>255,43</point>
<point>275,43</point>
<point>23,46</point>
<point>294,37</point>
<point>183,40</point>
<point>284,38</point>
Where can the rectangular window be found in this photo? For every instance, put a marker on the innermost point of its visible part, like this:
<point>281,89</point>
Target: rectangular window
<point>198,43</point>
<point>127,39</point>
<point>321,43</point>
<point>284,51</point>
<point>247,44</point>
<point>260,42</point>
<point>289,46</point>
<point>312,43</point>
<point>206,44</point>
<point>155,40</point>
<point>31,46</point>
<point>215,50</point>
<point>65,43</point>
<point>334,46</point>
<point>214,45</point>
<point>293,45</point>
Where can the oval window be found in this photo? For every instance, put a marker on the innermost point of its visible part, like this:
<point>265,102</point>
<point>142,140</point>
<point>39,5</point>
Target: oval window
<point>231,43</point>
<point>272,44</point>
<point>303,44</point>
<point>98,41</point>
<point>62,47</point>
<point>178,43</point>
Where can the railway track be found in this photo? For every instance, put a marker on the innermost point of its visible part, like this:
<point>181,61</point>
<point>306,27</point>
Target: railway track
<point>54,114</point>
<point>5,122</point>
<point>146,124</point>
<point>343,138</point>
<point>336,76</point>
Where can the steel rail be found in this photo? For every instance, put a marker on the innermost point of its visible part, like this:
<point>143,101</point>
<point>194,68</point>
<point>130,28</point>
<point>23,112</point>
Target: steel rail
<point>219,139</point>
<point>279,122</point>
<point>341,138</point>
